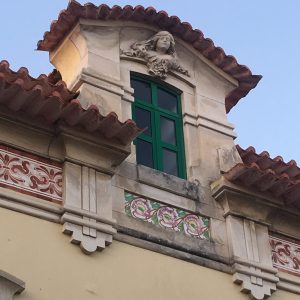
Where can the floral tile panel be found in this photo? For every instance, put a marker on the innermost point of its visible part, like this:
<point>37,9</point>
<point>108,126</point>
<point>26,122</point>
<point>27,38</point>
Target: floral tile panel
<point>30,174</point>
<point>166,216</point>
<point>285,255</point>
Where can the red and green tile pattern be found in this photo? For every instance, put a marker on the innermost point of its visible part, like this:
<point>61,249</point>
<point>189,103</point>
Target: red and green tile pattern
<point>166,216</point>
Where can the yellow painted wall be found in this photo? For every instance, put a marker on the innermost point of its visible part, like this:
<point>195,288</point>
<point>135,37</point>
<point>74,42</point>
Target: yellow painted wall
<point>37,252</point>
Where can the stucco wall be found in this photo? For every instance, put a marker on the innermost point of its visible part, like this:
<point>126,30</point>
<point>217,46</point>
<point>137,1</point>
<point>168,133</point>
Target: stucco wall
<point>37,252</point>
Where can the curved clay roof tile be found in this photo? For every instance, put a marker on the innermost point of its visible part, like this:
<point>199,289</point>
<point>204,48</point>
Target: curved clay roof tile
<point>265,174</point>
<point>68,18</point>
<point>43,99</point>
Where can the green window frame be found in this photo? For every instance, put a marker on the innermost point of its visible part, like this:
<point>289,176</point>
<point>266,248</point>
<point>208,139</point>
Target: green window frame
<point>161,145</point>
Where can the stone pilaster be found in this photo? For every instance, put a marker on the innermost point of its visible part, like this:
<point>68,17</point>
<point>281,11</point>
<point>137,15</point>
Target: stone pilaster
<point>251,257</point>
<point>248,241</point>
<point>88,205</point>
<point>88,192</point>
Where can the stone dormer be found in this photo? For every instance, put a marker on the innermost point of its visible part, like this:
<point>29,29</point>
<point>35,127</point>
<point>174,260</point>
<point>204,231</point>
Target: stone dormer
<point>97,50</point>
<point>127,142</point>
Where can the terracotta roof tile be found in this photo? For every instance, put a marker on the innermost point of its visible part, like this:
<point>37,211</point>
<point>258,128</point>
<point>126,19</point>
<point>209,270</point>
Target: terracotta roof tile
<point>265,174</point>
<point>68,18</point>
<point>39,97</point>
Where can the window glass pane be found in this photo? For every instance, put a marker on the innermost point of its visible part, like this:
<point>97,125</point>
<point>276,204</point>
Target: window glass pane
<point>142,90</point>
<point>144,154</point>
<point>167,100</point>
<point>167,131</point>
<point>143,119</point>
<point>170,162</point>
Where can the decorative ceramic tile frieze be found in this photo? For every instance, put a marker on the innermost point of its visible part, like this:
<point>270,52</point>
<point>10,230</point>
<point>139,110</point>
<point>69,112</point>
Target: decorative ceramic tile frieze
<point>30,174</point>
<point>166,216</point>
<point>285,255</point>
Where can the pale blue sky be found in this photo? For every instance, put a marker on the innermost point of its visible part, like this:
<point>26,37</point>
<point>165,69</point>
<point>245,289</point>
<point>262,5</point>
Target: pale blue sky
<point>264,35</point>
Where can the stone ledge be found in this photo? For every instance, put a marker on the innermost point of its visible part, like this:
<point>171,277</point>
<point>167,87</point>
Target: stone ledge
<point>159,248</point>
<point>30,205</point>
<point>288,282</point>
<point>173,240</point>
<point>126,178</point>
<point>168,182</point>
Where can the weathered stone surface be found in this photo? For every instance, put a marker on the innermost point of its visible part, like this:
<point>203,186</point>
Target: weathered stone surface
<point>159,53</point>
<point>168,182</point>
<point>173,240</point>
<point>88,201</point>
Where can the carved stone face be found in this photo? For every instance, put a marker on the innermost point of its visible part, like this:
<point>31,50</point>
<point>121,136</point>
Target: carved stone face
<point>163,44</point>
<point>159,53</point>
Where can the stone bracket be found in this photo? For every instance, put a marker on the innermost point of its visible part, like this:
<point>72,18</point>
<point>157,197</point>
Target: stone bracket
<point>91,236</point>
<point>254,281</point>
<point>251,256</point>
<point>9,286</point>
<point>87,213</point>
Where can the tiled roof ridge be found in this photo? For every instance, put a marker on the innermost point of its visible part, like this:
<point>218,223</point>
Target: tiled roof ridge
<point>43,83</point>
<point>265,162</point>
<point>262,173</point>
<point>39,97</point>
<point>68,18</point>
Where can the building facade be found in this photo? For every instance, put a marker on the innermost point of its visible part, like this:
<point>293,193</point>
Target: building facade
<point>94,205</point>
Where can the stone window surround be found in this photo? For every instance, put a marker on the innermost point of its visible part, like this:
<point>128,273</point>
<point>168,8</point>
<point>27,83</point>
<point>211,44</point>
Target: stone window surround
<point>187,85</point>
<point>191,119</point>
<point>171,191</point>
<point>175,117</point>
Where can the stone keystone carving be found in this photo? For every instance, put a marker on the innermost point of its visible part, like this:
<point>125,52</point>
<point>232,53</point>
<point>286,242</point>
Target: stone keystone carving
<point>159,53</point>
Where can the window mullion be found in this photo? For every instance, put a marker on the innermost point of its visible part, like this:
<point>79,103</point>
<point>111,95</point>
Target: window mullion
<point>157,142</point>
<point>180,147</point>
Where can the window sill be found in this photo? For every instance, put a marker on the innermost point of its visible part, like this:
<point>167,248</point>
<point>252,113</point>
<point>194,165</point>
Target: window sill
<point>168,182</point>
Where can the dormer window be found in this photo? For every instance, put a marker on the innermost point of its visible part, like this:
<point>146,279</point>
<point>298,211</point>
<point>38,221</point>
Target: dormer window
<point>157,107</point>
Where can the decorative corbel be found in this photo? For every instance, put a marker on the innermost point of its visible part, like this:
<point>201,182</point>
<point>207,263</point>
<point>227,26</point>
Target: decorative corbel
<point>87,207</point>
<point>248,241</point>
<point>9,286</point>
<point>252,263</point>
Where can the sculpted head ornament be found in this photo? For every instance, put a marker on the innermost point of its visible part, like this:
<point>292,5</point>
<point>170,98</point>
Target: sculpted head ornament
<point>159,53</point>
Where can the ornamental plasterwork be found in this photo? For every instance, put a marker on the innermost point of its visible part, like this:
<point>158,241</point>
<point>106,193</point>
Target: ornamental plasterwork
<point>87,212</point>
<point>285,255</point>
<point>159,53</point>
<point>29,174</point>
<point>166,217</point>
